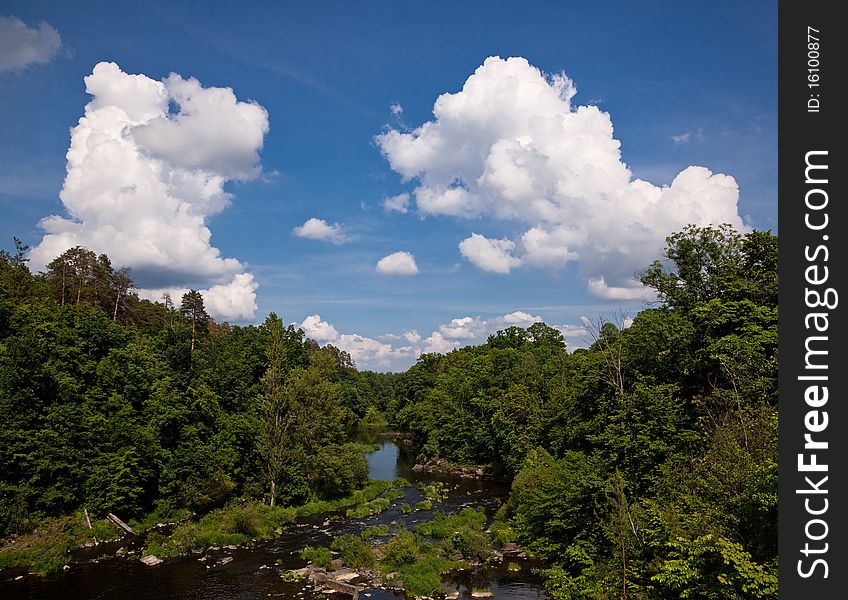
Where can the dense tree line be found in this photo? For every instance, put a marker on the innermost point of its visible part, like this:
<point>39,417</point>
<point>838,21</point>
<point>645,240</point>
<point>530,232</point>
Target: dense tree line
<point>644,466</point>
<point>113,403</point>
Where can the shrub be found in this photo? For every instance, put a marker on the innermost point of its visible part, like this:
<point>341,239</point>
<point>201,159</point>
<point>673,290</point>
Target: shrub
<point>354,551</point>
<point>320,557</point>
<point>376,531</point>
<point>401,549</point>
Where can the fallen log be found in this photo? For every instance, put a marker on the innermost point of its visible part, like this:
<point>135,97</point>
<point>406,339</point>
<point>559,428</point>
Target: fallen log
<point>119,523</point>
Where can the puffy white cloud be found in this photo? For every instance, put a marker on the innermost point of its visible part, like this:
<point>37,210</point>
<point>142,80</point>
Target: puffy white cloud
<point>21,46</point>
<point>397,263</point>
<point>146,204</point>
<point>489,255</point>
<point>436,343</point>
<point>510,145</point>
<point>319,229</point>
<point>319,330</point>
<point>399,203</point>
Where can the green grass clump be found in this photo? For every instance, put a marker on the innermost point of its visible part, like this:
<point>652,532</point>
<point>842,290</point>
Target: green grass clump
<point>241,523</point>
<point>423,505</point>
<point>368,508</point>
<point>461,533</point>
<point>435,491</point>
<point>47,549</point>
<point>501,529</point>
<point>159,545</point>
<point>235,525</point>
<point>405,508</point>
<point>444,526</point>
<point>320,557</point>
<point>424,578</point>
<point>376,531</point>
<point>164,513</point>
<point>354,551</point>
<point>401,550</point>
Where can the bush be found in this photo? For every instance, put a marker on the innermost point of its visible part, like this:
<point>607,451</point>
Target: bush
<point>320,557</point>
<point>444,526</point>
<point>424,505</point>
<point>470,544</point>
<point>339,470</point>
<point>405,508</point>
<point>376,531</point>
<point>354,551</point>
<point>401,550</point>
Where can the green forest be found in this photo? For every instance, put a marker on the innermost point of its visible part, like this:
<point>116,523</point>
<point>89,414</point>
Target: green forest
<point>643,466</point>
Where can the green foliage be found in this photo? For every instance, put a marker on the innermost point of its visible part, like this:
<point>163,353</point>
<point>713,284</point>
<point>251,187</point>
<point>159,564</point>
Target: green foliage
<point>435,491</point>
<point>354,551</point>
<point>338,470</point>
<point>712,567</point>
<point>644,465</point>
<point>366,509</point>
<point>423,578</point>
<point>401,550</point>
<point>376,531</point>
<point>46,550</point>
<point>320,557</point>
<point>443,526</point>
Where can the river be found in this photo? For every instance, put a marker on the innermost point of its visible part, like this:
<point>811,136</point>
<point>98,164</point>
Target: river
<point>254,572</point>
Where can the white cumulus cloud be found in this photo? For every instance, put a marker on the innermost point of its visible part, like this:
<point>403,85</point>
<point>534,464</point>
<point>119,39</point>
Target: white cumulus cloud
<point>489,255</point>
<point>319,330</point>
<point>21,46</point>
<point>319,229</point>
<point>142,182</point>
<point>397,263</point>
<point>511,145</point>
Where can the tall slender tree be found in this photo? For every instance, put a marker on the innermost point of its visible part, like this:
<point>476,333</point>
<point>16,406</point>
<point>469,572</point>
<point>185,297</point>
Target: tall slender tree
<point>193,309</point>
<point>275,417</point>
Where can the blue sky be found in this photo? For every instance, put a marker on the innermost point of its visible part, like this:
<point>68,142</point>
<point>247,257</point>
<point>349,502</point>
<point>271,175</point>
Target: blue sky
<point>517,206</point>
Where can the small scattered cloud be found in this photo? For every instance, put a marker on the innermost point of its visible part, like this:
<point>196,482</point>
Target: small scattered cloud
<point>397,263</point>
<point>688,136</point>
<point>399,203</point>
<point>681,138</point>
<point>22,46</point>
<point>319,229</point>
<point>397,109</point>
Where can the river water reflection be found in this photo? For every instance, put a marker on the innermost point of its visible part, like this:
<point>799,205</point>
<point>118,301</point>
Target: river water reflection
<point>254,573</point>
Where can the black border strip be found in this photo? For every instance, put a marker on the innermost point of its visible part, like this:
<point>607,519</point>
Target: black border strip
<point>813,228</point>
